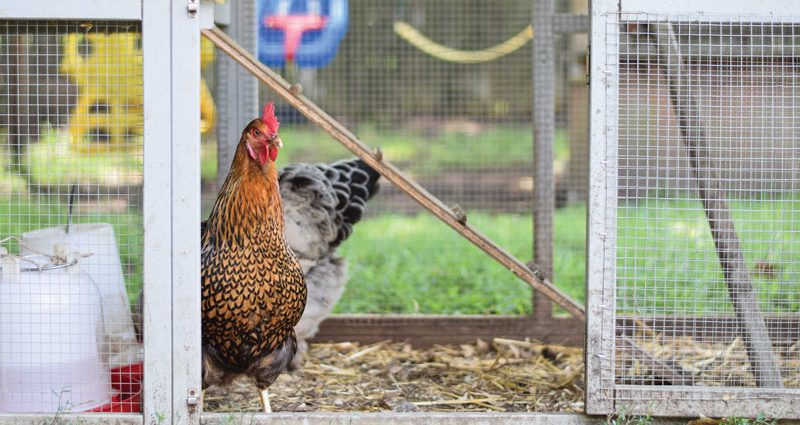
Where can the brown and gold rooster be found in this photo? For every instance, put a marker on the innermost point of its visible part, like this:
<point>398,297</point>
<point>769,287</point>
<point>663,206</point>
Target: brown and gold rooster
<point>253,289</point>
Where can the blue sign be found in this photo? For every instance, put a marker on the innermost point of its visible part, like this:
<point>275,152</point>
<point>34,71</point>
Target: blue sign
<point>306,32</point>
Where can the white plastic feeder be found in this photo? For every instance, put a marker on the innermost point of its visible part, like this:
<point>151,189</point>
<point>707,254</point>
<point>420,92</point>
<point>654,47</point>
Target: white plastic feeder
<point>119,344</point>
<point>49,357</point>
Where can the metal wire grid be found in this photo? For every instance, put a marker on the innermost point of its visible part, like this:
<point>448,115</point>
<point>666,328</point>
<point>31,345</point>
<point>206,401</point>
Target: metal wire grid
<point>743,76</point>
<point>464,131</point>
<point>454,117</point>
<point>71,112</point>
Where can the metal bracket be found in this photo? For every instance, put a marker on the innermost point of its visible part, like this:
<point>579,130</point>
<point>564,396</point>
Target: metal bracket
<point>459,214</point>
<point>193,400</point>
<point>535,270</point>
<point>588,65</point>
<point>193,6</point>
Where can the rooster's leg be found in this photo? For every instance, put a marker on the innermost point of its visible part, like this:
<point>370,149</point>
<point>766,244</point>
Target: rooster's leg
<point>265,400</point>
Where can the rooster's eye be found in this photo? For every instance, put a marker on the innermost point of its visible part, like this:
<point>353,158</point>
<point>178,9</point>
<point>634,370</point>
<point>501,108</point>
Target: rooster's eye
<point>256,132</point>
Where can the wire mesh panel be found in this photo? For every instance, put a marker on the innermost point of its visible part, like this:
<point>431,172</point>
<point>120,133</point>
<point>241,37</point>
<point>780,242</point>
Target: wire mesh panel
<point>70,215</point>
<point>459,122</point>
<point>693,279</point>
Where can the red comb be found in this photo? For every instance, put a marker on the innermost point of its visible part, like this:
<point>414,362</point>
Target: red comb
<point>268,116</point>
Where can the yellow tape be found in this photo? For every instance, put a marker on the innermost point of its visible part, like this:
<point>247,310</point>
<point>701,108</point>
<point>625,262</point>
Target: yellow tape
<point>421,42</point>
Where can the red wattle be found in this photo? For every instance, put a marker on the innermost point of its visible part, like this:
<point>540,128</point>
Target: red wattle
<point>262,156</point>
<point>273,153</point>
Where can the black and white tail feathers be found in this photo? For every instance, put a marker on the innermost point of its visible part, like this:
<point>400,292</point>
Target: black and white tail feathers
<point>354,183</point>
<point>321,204</point>
<point>339,190</point>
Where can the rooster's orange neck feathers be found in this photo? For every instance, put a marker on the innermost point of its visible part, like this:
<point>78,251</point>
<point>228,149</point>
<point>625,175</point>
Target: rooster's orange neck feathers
<point>249,202</point>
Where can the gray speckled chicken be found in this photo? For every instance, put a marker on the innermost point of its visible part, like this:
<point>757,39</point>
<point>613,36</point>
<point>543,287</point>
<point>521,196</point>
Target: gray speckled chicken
<point>321,203</point>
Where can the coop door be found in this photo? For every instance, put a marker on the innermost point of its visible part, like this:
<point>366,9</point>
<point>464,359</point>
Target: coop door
<point>694,226</point>
<point>87,189</point>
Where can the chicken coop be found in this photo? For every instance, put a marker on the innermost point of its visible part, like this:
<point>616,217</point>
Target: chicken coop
<point>101,195</point>
<point>100,122</point>
<point>691,247</point>
<point>459,285</point>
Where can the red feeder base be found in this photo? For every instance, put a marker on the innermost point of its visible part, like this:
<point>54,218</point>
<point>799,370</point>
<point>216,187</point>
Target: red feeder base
<point>127,380</point>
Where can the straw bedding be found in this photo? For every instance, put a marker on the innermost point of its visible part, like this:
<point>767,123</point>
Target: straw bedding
<point>502,375</point>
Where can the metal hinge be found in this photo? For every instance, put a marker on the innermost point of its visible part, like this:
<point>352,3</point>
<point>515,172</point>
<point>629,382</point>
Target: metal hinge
<point>588,63</point>
<point>193,399</point>
<point>192,6</point>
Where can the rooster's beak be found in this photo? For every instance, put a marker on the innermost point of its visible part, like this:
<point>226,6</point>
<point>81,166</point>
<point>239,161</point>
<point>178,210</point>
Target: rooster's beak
<point>277,142</point>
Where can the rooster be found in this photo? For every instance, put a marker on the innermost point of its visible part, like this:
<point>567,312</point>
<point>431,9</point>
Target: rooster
<point>321,204</point>
<point>253,288</point>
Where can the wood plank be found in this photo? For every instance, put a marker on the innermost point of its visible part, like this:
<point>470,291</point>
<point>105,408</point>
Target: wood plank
<point>783,329</point>
<point>71,418</point>
<point>427,330</point>
<point>401,418</point>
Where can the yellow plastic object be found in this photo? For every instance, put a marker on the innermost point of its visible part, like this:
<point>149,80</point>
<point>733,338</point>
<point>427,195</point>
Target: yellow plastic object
<point>113,61</point>
<point>108,71</point>
<point>102,124</point>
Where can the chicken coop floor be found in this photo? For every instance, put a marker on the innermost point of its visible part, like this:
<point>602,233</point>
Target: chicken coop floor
<point>501,376</point>
<point>706,363</point>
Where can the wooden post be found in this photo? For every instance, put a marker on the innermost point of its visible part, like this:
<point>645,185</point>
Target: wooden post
<point>763,363</point>
<point>577,174</point>
<point>543,138</point>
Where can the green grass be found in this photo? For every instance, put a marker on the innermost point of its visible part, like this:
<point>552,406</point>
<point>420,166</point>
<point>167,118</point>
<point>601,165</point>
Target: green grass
<point>499,147</point>
<point>51,161</point>
<point>415,264</point>
<point>208,161</point>
<point>410,264</point>
<point>667,258</point>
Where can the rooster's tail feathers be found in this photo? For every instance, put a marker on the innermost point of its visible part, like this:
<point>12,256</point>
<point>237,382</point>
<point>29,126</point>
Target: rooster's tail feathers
<point>354,183</point>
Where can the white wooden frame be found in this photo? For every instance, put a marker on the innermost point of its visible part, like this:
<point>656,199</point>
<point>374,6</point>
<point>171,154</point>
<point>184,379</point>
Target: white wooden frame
<point>171,48</point>
<point>602,394</point>
<point>171,216</point>
<point>122,10</point>
<point>600,242</point>
<point>701,10</point>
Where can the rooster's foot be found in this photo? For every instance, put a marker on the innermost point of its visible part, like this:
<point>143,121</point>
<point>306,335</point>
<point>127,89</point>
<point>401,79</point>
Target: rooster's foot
<point>264,394</point>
